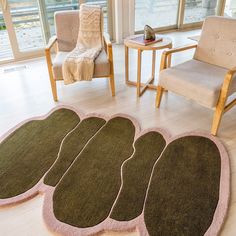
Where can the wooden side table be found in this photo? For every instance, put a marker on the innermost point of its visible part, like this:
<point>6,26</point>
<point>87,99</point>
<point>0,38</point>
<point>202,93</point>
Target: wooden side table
<point>142,87</point>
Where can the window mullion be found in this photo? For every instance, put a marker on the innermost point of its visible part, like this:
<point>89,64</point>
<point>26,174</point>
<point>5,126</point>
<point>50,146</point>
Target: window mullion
<point>44,19</point>
<point>181,14</point>
<point>221,7</point>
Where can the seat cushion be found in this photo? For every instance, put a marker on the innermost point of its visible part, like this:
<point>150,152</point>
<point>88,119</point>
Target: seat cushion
<point>196,80</point>
<point>101,68</point>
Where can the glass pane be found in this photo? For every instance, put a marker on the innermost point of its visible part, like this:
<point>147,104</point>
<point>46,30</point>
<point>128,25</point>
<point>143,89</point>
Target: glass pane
<point>230,8</point>
<point>156,13</point>
<point>26,21</point>
<point>58,5</point>
<point>198,10</point>
<point>102,3</point>
<point>5,51</point>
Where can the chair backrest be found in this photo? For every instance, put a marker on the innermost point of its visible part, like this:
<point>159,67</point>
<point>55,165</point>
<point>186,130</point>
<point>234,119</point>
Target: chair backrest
<point>67,29</point>
<point>217,44</point>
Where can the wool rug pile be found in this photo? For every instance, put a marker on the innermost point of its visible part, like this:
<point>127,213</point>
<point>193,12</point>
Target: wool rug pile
<point>102,173</point>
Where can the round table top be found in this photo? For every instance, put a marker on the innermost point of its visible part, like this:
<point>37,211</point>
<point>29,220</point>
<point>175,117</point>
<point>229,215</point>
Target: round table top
<point>165,43</point>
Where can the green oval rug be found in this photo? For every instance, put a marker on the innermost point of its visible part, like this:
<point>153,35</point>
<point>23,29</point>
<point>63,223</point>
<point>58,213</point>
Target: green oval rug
<point>101,173</point>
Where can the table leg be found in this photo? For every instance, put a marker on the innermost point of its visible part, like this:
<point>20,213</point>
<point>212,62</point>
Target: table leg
<point>153,64</point>
<point>142,87</point>
<point>126,64</point>
<point>139,71</point>
<point>169,58</point>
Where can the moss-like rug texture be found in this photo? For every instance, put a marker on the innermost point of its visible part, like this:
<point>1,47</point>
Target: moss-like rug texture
<point>28,152</point>
<point>100,173</point>
<point>93,182</point>
<point>184,189</point>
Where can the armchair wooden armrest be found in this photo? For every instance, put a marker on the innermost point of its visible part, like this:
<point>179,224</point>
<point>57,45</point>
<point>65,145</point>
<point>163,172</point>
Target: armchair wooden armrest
<point>227,81</point>
<point>222,107</point>
<point>107,40</point>
<point>232,71</point>
<point>167,55</point>
<point>108,47</point>
<point>51,43</point>
<point>179,49</point>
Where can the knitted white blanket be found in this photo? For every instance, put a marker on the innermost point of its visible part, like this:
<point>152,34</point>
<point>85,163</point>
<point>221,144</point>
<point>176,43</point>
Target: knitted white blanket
<point>79,64</point>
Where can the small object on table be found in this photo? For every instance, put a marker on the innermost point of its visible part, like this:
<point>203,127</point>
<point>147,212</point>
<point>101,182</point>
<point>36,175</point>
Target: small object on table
<point>140,40</point>
<point>149,37</point>
<point>166,42</point>
<point>149,33</point>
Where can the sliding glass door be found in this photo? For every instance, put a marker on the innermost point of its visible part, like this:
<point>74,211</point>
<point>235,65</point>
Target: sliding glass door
<point>27,25</point>
<point>21,21</point>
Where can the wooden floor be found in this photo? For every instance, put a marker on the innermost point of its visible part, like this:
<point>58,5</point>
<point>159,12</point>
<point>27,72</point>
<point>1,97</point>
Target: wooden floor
<point>26,93</point>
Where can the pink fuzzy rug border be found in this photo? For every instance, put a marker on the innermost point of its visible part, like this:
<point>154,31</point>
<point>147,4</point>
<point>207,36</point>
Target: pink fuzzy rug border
<point>110,224</point>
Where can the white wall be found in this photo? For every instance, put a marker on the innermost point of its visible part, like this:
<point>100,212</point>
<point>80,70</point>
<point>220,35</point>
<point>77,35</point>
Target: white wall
<point>123,19</point>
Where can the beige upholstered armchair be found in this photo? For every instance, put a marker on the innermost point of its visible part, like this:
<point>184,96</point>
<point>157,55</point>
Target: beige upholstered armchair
<point>210,77</point>
<point>67,27</point>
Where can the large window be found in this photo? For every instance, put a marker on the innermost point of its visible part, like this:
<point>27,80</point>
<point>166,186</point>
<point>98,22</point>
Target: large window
<point>51,6</point>
<point>27,25</point>
<point>230,8</point>
<point>156,13</point>
<point>106,11</point>
<point>59,5</point>
<point>5,51</point>
<point>198,10</point>
<point>165,14</point>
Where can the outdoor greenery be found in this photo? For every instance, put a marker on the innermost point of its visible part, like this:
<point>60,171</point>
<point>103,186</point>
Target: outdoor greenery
<point>2,27</point>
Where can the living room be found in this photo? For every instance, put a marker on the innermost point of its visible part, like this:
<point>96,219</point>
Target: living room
<point>117,117</point>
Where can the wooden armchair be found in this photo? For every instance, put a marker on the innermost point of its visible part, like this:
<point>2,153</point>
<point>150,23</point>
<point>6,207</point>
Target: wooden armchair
<point>210,77</point>
<point>67,27</point>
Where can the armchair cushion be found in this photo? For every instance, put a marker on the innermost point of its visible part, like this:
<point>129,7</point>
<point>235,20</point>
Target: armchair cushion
<point>196,80</point>
<point>101,68</point>
<point>217,44</point>
<point>67,29</point>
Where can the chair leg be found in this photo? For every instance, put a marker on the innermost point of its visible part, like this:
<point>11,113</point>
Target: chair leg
<point>52,81</point>
<point>217,119</point>
<point>54,89</point>
<point>218,115</point>
<point>159,96</point>
<point>53,84</point>
<point>112,85</point>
